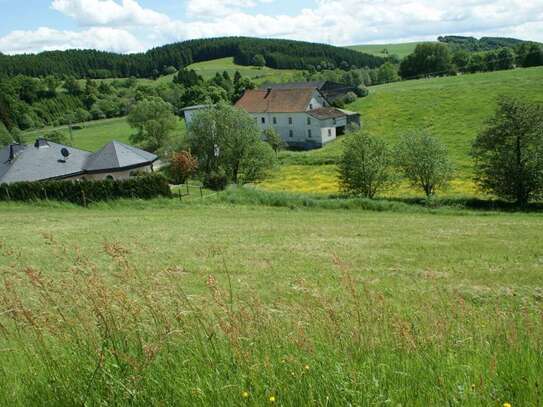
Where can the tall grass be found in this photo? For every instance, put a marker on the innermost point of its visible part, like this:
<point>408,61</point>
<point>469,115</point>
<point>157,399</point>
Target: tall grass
<point>117,336</point>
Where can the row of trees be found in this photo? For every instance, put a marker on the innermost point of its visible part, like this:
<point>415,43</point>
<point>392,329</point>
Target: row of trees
<point>283,54</point>
<point>508,158</point>
<point>368,165</point>
<point>436,59</point>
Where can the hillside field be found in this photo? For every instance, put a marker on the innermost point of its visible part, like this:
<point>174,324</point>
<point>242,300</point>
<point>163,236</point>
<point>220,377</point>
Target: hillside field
<point>454,109</point>
<point>211,304</point>
<point>402,50</point>
<point>91,136</point>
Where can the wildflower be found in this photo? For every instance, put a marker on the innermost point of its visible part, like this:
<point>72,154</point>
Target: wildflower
<point>472,387</point>
<point>506,404</point>
<point>245,394</point>
<point>306,367</point>
<point>272,399</point>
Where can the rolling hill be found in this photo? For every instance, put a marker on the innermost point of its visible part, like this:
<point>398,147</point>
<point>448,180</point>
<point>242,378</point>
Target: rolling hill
<point>384,50</point>
<point>454,109</point>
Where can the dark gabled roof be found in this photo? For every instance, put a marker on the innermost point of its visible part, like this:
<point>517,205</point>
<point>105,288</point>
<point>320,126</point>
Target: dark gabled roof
<point>44,160</point>
<point>295,85</point>
<point>41,161</point>
<point>276,100</point>
<point>115,156</point>
<point>326,113</point>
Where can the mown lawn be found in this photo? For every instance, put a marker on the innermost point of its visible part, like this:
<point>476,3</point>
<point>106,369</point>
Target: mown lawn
<point>453,109</point>
<point>212,304</point>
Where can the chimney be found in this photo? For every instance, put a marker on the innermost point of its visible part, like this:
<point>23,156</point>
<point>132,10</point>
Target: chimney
<point>11,153</point>
<point>268,91</point>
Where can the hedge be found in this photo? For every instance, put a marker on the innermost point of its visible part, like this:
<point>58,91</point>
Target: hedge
<point>85,192</point>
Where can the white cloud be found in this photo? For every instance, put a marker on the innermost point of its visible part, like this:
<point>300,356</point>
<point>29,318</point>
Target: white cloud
<point>219,8</point>
<point>47,39</point>
<point>109,12</point>
<point>126,26</point>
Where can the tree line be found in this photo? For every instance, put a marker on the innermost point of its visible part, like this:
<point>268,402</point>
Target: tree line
<point>508,158</point>
<point>280,54</point>
<point>437,59</point>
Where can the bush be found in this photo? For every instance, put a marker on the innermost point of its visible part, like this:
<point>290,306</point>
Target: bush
<point>364,166</point>
<point>509,153</point>
<point>424,162</point>
<point>85,192</point>
<point>183,166</point>
<point>216,180</point>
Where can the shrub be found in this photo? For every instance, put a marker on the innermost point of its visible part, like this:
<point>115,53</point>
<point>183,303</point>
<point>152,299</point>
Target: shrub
<point>216,180</point>
<point>424,162</point>
<point>364,166</point>
<point>509,152</point>
<point>183,166</point>
<point>84,192</point>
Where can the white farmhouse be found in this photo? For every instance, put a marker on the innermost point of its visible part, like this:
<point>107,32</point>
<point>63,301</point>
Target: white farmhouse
<point>302,117</point>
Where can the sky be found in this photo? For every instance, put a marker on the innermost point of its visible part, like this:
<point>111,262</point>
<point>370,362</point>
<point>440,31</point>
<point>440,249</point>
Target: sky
<point>136,25</point>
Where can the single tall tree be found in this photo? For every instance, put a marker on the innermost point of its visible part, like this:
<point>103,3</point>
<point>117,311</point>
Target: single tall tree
<point>509,152</point>
<point>227,140</point>
<point>423,161</point>
<point>364,168</point>
<point>154,120</point>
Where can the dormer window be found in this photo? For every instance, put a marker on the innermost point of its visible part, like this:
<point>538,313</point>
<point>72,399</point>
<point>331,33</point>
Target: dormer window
<point>311,106</point>
<point>263,120</point>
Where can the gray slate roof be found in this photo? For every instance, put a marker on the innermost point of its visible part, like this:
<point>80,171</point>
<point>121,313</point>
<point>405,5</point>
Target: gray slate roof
<point>115,156</point>
<point>31,163</point>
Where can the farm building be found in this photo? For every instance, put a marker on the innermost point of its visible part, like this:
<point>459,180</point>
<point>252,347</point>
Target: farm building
<point>45,160</point>
<point>302,116</point>
<point>332,91</point>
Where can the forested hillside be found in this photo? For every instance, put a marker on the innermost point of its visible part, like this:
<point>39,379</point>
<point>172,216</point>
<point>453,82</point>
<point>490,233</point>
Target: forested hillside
<point>280,54</point>
<point>473,44</point>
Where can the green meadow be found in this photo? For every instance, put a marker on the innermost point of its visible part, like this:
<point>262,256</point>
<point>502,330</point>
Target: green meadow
<point>454,109</point>
<point>383,50</point>
<point>91,136</point>
<point>206,303</point>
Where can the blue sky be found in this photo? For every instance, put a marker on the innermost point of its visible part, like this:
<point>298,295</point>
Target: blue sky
<point>136,25</point>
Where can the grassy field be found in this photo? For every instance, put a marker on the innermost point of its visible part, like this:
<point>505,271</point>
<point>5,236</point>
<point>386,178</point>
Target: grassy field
<point>211,304</point>
<point>208,70</point>
<point>401,50</point>
<point>94,135</point>
<point>454,109</point>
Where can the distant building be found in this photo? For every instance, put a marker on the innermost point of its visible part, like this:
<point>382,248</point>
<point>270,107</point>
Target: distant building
<point>332,91</point>
<point>302,116</point>
<point>190,111</point>
<point>45,160</point>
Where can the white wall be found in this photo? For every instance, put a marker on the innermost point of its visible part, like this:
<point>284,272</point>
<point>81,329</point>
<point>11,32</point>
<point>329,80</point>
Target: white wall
<point>300,126</point>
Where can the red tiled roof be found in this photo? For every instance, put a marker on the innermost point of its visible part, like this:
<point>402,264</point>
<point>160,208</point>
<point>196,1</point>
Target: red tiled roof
<point>276,100</point>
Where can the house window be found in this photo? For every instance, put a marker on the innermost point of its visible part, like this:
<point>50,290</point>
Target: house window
<point>309,133</point>
<point>329,132</point>
<point>309,121</point>
<point>263,120</point>
<point>290,133</point>
<point>275,120</point>
<point>335,121</point>
<point>290,121</point>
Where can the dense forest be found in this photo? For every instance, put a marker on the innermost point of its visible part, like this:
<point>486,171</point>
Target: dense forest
<point>473,44</point>
<point>280,54</point>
